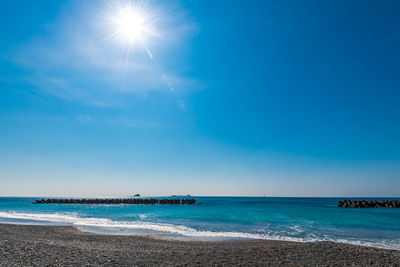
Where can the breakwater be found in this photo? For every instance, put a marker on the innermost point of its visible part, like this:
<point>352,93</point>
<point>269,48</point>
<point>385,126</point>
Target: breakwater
<point>116,201</point>
<point>348,203</point>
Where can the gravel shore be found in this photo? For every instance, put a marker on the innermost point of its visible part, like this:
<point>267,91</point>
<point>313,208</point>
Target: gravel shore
<point>27,245</point>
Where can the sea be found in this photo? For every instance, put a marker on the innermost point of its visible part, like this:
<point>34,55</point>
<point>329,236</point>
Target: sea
<point>222,219</point>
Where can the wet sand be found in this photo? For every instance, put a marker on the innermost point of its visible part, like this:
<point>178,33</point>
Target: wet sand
<point>27,245</point>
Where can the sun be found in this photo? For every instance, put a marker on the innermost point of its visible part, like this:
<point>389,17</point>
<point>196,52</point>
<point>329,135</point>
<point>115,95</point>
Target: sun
<point>132,25</point>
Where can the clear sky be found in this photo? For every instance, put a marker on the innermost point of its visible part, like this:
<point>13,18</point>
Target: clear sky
<point>282,98</point>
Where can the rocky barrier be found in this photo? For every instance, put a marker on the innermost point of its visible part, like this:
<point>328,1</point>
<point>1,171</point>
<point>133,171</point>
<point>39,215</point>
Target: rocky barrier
<point>116,201</point>
<point>348,203</point>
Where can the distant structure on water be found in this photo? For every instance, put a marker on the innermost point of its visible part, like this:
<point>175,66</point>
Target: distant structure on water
<point>116,201</point>
<point>136,195</point>
<point>181,195</point>
<point>349,203</point>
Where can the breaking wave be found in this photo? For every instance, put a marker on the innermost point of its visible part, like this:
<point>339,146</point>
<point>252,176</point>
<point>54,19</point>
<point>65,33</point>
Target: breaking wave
<point>73,219</point>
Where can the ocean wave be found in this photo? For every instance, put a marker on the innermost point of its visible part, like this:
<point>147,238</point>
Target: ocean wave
<point>181,230</point>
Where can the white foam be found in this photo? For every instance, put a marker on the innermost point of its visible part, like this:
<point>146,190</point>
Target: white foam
<point>74,220</point>
<point>296,228</point>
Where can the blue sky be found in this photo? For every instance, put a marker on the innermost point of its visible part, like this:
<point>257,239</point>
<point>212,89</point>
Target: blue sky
<point>227,98</point>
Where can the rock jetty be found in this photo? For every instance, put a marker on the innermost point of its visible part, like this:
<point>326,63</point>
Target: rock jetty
<point>348,203</point>
<point>116,201</point>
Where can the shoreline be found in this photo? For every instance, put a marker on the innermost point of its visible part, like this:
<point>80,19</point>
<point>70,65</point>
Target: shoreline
<point>185,238</point>
<point>22,245</point>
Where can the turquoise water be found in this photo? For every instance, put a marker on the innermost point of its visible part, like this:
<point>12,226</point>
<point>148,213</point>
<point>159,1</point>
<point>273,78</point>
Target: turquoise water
<point>222,218</point>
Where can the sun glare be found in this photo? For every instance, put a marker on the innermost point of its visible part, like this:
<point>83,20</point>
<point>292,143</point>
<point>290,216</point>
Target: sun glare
<point>131,25</point>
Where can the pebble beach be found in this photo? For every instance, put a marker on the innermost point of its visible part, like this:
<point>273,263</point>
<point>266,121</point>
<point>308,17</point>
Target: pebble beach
<point>30,245</point>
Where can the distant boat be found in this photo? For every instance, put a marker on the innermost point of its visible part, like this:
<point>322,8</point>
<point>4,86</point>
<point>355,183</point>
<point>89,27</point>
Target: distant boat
<point>137,195</point>
<point>181,195</point>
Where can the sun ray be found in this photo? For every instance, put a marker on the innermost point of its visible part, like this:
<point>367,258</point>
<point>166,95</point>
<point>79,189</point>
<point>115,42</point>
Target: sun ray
<point>131,25</point>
